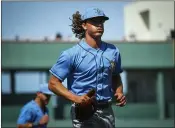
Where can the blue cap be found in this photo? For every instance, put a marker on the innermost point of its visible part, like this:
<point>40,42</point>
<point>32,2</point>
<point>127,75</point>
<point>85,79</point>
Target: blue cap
<point>44,89</point>
<point>92,13</point>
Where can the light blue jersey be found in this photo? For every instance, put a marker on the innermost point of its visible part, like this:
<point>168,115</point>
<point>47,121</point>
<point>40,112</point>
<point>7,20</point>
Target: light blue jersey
<point>32,113</point>
<point>86,68</point>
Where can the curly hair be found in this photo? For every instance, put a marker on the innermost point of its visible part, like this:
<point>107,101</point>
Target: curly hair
<point>76,25</point>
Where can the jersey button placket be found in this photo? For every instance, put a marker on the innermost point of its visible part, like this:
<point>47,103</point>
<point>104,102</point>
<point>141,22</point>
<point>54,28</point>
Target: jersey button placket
<point>99,86</point>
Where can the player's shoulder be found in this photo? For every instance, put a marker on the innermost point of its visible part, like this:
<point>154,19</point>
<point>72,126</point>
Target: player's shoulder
<point>31,103</point>
<point>28,106</point>
<point>110,46</point>
<point>72,50</point>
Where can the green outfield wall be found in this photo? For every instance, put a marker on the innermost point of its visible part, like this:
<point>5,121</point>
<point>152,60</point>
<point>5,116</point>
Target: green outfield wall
<point>44,55</point>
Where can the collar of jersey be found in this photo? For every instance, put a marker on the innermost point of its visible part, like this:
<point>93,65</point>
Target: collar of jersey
<point>87,47</point>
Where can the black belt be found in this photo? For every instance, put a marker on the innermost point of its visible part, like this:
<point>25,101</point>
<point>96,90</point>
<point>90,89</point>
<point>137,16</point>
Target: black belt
<point>102,105</point>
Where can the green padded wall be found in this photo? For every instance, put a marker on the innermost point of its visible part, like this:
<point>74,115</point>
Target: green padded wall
<point>44,55</point>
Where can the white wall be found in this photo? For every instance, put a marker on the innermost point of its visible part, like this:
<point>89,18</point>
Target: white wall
<point>161,19</point>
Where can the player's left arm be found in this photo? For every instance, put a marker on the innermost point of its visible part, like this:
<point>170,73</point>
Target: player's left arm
<point>117,82</point>
<point>118,90</point>
<point>46,111</point>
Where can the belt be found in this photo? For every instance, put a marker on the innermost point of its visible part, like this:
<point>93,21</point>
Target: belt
<point>102,105</point>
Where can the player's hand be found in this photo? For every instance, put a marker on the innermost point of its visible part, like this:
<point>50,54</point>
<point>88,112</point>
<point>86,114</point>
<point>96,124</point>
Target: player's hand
<point>82,99</point>
<point>44,120</point>
<point>121,99</point>
<point>85,106</point>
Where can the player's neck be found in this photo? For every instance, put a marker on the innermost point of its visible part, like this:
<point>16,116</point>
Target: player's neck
<point>95,43</point>
<point>38,101</point>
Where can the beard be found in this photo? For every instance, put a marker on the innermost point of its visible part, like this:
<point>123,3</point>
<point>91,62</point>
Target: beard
<point>96,34</point>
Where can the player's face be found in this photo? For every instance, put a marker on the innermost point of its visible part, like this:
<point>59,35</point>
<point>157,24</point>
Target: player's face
<point>44,98</point>
<point>94,27</point>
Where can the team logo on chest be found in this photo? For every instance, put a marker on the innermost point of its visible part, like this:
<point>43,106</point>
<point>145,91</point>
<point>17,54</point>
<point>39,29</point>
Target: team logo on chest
<point>112,64</point>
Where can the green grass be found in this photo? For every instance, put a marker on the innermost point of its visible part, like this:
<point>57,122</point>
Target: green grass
<point>119,123</point>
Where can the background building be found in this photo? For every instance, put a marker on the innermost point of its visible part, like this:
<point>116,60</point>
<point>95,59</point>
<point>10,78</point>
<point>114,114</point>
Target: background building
<point>149,20</point>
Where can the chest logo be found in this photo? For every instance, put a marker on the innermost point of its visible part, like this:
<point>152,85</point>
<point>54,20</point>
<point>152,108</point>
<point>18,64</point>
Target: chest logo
<point>112,64</point>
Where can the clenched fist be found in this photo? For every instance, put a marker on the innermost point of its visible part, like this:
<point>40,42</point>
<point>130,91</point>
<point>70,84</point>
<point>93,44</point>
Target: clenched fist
<point>121,99</point>
<point>44,120</point>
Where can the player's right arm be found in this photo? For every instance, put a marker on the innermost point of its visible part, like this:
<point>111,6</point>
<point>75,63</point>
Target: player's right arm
<point>61,71</point>
<point>56,86</point>
<point>24,118</point>
<point>26,124</point>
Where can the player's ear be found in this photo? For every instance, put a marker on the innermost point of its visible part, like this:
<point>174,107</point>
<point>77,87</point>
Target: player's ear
<point>84,26</point>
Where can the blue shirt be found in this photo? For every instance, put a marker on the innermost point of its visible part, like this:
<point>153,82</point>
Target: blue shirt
<point>31,112</point>
<point>86,68</point>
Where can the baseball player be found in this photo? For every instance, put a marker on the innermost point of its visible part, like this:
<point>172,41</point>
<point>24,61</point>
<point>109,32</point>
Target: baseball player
<point>35,113</point>
<point>92,64</point>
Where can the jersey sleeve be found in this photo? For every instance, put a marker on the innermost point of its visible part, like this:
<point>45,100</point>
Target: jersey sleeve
<point>25,116</point>
<point>118,68</point>
<point>62,67</point>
